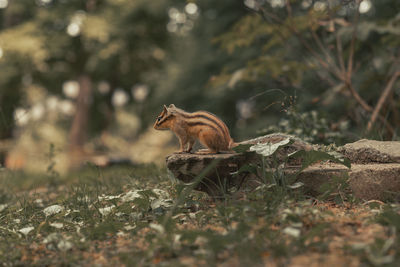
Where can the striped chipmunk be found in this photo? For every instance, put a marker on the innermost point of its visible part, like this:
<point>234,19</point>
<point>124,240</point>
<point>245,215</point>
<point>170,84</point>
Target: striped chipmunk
<point>200,125</point>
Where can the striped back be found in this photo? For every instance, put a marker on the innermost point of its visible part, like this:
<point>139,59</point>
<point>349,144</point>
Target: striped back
<point>204,118</point>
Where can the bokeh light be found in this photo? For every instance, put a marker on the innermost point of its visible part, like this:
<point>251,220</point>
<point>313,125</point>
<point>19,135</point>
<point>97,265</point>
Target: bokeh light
<point>43,2</point>
<point>250,3</point>
<point>38,111</point>
<point>120,98</point>
<point>3,3</point>
<point>74,27</point>
<point>71,89</point>
<point>140,92</point>
<point>181,22</point>
<point>21,116</point>
<point>191,8</point>
<point>103,87</point>
<point>277,3</point>
<point>66,107</point>
<point>365,6</point>
<point>306,3</point>
<point>52,103</point>
<point>320,6</point>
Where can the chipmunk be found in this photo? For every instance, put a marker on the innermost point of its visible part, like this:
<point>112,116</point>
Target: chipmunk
<point>200,125</point>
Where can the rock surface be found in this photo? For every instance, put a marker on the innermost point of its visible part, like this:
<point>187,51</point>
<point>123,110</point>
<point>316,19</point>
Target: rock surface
<point>374,174</point>
<point>375,181</point>
<point>186,167</point>
<point>366,181</point>
<point>371,151</point>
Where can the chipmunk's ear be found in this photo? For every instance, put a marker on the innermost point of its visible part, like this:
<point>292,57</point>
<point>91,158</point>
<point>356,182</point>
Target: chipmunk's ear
<point>172,106</point>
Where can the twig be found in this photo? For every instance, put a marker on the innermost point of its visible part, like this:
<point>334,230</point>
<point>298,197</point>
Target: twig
<point>357,97</point>
<point>382,99</point>
<point>353,41</point>
<point>339,49</point>
<point>339,46</point>
<point>374,201</point>
<point>329,59</point>
<point>395,111</point>
<point>288,8</point>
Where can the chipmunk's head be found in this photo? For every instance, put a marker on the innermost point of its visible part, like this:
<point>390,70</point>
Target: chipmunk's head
<point>165,119</point>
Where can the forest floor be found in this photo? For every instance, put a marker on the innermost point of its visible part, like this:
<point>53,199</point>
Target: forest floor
<point>138,216</point>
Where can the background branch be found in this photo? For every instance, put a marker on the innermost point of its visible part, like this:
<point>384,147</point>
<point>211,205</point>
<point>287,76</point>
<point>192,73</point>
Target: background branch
<point>382,99</point>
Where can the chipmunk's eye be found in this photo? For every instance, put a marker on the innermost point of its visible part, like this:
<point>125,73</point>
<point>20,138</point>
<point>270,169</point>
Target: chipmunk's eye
<point>159,118</point>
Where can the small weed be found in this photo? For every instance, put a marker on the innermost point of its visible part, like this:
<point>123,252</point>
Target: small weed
<point>52,173</point>
<point>271,170</point>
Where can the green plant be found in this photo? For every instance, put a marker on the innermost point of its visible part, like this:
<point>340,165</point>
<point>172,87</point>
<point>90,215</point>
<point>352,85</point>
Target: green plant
<point>310,126</point>
<point>272,170</point>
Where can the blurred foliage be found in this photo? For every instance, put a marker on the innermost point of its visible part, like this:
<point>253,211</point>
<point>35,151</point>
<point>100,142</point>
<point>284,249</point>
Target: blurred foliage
<point>311,127</point>
<point>242,60</point>
<point>51,42</point>
<point>305,48</point>
<point>193,61</point>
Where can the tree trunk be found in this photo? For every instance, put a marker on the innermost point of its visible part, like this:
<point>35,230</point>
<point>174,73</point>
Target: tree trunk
<point>8,101</point>
<point>79,127</point>
<point>9,98</point>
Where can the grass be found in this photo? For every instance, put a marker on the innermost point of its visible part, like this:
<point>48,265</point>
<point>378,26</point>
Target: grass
<point>137,216</point>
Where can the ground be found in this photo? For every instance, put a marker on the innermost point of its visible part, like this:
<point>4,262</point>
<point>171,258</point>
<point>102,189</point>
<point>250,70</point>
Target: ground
<point>139,216</point>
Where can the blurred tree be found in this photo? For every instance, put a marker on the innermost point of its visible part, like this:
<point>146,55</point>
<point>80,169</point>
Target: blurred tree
<point>193,59</point>
<point>113,44</point>
<point>333,53</point>
<point>10,78</point>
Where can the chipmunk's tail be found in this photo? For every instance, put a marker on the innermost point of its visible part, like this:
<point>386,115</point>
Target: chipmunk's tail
<point>232,144</point>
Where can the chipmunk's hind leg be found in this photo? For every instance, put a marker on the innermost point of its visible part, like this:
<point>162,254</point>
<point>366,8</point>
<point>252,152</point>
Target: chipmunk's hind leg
<point>210,140</point>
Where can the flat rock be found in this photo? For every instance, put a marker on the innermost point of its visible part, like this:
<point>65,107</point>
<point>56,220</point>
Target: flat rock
<point>372,151</point>
<point>366,181</point>
<point>375,181</point>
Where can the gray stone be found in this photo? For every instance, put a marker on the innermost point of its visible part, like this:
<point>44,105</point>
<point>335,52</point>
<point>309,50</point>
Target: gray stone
<point>370,151</point>
<point>186,167</point>
<point>366,181</point>
<point>375,181</point>
<point>319,174</point>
